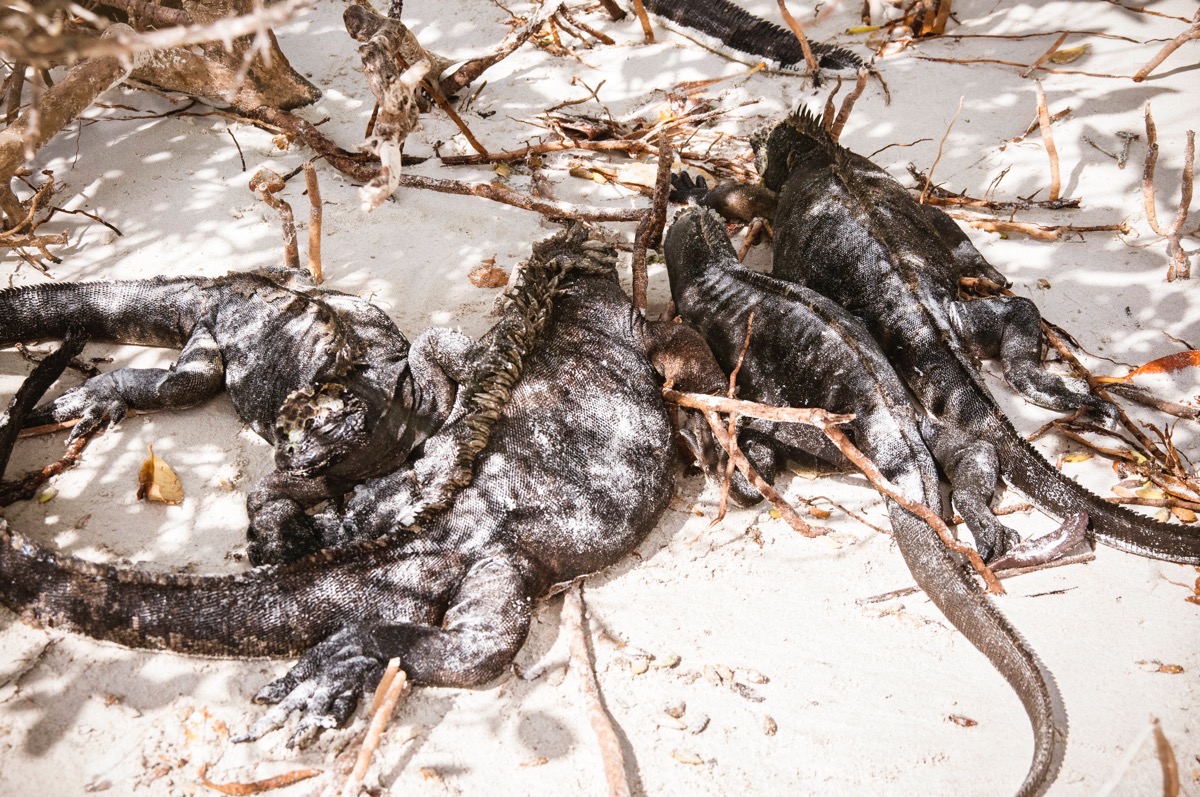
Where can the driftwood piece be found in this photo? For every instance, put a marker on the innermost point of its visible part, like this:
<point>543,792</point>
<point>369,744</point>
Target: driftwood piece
<point>58,107</point>
<point>247,72</point>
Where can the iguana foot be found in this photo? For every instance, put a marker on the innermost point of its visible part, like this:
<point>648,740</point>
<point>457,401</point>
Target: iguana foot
<point>91,403</point>
<point>324,686</point>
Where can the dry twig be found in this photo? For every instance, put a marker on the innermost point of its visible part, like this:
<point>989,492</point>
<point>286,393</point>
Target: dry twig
<point>1180,268</point>
<point>650,229</point>
<point>941,145</point>
<point>314,223</point>
<point>611,752</point>
<point>860,85</point>
<point>1192,32</point>
<point>1048,140</point>
<point>267,184</point>
<point>805,47</point>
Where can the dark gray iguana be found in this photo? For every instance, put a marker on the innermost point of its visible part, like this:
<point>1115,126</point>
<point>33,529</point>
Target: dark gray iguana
<point>806,351</point>
<point>726,26</point>
<point>326,377</point>
<point>846,229</point>
<point>575,467</point>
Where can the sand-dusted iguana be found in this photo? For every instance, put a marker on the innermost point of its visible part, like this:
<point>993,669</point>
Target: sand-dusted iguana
<point>325,376</point>
<point>846,229</point>
<point>574,463</point>
<point>806,351</point>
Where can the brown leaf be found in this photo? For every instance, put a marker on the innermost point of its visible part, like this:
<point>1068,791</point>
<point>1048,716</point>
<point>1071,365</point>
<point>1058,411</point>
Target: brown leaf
<point>488,275</point>
<point>960,720</point>
<point>157,482</point>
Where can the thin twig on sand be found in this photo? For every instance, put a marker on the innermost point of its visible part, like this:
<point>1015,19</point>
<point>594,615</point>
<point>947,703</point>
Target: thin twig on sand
<point>1180,268</point>
<point>611,753</point>
<point>1192,32</point>
<point>941,145</point>
<point>1048,140</point>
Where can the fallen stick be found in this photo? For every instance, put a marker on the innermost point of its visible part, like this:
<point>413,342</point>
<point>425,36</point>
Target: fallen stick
<point>827,422</point>
<point>650,229</point>
<point>1193,32</point>
<point>1048,139</point>
<point>611,752</point>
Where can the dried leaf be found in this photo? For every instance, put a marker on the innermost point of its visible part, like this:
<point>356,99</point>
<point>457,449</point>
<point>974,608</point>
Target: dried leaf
<point>687,757</point>
<point>1184,514</point>
<point>46,495</point>
<point>1163,365</point>
<point>857,29</point>
<point>1044,284</point>
<point>501,169</point>
<point>488,275</point>
<point>1078,456</point>
<point>1069,54</point>
<point>819,513</point>
<point>1151,492</point>
<point>1163,515</point>
<point>961,721</point>
<point>157,482</point>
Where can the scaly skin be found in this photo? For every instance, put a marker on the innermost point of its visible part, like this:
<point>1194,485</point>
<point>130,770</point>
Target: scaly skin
<point>576,468</point>
<point>326,377</point>
<point>846,229</point>
<point>806,351</point>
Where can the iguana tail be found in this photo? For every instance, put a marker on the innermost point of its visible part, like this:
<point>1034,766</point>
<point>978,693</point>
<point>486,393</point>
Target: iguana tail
<point>960,599</point>
<point>737,29</point>
<point>156,312</point>
<point>1113,524</point>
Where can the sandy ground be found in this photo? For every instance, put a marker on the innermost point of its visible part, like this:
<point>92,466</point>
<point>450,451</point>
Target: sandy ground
<point>860,697</point>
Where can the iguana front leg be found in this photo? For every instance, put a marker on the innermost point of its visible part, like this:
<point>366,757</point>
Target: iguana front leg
<point>198,374</point>
<point>1009,328</point>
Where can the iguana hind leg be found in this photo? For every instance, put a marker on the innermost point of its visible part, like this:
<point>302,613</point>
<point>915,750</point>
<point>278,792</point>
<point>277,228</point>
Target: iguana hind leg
<point>484,626</point>
<point>198,374</point>
<point>1009,328</point>
<point>973,469</point>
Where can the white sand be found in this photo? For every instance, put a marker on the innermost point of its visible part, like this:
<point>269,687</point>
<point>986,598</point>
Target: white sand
<point>861,695</point>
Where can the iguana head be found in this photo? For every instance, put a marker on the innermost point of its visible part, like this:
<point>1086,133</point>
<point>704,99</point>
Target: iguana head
<point>780,147</point>
<point>317,426</point>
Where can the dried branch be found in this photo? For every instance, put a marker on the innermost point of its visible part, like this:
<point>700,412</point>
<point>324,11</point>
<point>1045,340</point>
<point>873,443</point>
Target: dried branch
<point>392,687</point>
<point>805,47</point>
<point>827,423</point>
<point>1180,268</point>
<point>1193,32</point>
<point>1040,232</point>
<point>57,107</point>
<point>1048,140</point>
<point>941,145</point>
<point>1166,754</point>
<point>267,184</point>
<point>729,444</point>
<point>611,752</point>
<point>647,32</point>
<point>1046,56</point>
<point>860,85</point>
<point>650,229</point>
<point>1063,561</point>
<point>314,223</point>
<point>942,197</point>
<point>45,49</point>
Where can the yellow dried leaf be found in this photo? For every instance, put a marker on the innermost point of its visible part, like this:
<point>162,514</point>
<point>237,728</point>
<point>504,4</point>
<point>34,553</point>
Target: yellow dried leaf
<point>1078,456</point>
<point>775,514</point>
<point>501,169</point>
<point>1151,492</point>
<point>157,482</point>
<point>1069,54</point>
<point>861,29</point>
<point>1184,514</point>
<point>46,495</point>
<point>1163,515</point>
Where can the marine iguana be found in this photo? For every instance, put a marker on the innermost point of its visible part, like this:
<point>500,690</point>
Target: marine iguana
<point>846,229</point>
<point>806,351</point>
<point>728,28</point>
<point>324,376</point>
<point>574,468</point>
